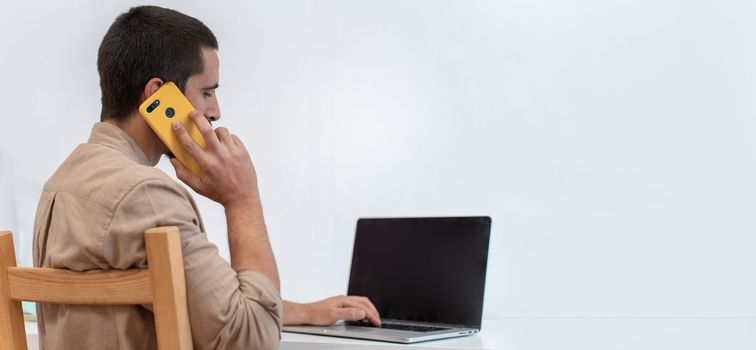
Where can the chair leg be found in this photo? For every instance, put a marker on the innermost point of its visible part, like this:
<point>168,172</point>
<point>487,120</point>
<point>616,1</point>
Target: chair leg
<point>12,332</point>
<point>166,265</point>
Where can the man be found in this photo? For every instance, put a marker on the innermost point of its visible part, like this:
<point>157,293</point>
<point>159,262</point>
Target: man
<point>94,209</point>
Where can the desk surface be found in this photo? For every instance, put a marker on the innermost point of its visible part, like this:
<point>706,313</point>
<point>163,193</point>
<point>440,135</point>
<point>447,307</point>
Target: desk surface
<point>562,334</point>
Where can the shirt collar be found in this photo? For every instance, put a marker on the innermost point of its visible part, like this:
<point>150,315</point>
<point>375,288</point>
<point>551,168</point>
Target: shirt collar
<point>112,136</point>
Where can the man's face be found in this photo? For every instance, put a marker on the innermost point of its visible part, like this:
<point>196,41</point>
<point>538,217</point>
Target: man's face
<point>200,88</point>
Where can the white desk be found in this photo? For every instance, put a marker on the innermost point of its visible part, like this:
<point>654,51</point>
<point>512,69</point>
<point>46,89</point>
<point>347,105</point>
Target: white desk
<point>561,334</point>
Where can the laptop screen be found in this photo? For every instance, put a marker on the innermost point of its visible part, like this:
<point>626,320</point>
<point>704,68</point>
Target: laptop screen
<point>422,269</point>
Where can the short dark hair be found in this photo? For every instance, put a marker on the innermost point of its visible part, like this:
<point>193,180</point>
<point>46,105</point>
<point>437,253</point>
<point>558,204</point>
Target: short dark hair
<point>144,43</point>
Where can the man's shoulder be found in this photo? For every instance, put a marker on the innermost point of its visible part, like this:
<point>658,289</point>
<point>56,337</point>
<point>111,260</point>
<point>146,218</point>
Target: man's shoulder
<point>105,175</point>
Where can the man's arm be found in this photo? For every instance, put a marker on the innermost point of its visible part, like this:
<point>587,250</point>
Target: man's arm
<point>227,310</point>
<point>229,178</point>
<point>248,240</point>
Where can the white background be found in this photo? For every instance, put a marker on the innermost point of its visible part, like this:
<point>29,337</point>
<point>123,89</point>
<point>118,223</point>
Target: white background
<point>612,142</point>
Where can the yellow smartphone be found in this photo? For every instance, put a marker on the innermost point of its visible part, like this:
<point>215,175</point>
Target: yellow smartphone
<point>164,107</point>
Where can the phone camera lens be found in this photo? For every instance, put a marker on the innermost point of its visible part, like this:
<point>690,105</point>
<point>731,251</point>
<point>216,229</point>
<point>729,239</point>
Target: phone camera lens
<point>169,112</point>
<point>152,106</point>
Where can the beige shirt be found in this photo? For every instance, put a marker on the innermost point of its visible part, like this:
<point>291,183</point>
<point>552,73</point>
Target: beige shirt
<point>92,216</point>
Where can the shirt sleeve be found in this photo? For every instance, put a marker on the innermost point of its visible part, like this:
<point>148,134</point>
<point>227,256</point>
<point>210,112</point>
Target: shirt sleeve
<point>226,310</point>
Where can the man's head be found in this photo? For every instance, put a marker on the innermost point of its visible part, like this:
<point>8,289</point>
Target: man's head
<point>149,45</point>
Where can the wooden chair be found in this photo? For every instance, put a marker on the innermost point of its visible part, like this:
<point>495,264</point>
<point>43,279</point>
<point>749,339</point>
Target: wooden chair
<point>161,284</point>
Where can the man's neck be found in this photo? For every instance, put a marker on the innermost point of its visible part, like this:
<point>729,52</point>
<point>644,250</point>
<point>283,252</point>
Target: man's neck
<point>144,137</point>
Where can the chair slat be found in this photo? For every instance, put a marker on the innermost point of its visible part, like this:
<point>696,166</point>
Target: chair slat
<point>93,288</point>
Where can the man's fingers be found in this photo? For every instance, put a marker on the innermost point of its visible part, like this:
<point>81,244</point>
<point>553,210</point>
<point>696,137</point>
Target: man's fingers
<point>373,310</point>
<point>183,173</point>
<point>189,144</point>
<point>205,129</point>
<point>237,141</point>
<point>224,136</point>
<point>350,313</point>
<point>370,313</point>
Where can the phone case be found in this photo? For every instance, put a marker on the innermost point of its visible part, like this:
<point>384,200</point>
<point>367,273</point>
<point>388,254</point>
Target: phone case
<point>164,107</point>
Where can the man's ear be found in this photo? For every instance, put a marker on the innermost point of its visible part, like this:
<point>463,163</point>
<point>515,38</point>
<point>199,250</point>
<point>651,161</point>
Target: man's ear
<point>152,85</point>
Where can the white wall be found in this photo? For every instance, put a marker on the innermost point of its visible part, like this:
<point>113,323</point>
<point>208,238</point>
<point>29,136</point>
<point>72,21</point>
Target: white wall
<point>612,142</point>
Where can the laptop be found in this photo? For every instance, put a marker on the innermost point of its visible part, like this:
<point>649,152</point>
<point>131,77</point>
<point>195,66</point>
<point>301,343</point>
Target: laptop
<point>426,277</point>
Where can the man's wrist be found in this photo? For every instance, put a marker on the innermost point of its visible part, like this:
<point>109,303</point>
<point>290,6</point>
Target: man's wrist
<point>246,203</point>
<point>295,313</point>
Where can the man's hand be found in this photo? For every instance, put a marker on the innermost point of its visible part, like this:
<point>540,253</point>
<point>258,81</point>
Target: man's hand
<point>328,311</point>
<point>228,175</point>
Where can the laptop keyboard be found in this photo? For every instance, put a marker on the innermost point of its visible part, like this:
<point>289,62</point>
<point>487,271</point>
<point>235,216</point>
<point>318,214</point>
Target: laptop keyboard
<point>401,327</point>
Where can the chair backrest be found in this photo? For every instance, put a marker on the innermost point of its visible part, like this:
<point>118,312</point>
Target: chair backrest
<point>162,284</point>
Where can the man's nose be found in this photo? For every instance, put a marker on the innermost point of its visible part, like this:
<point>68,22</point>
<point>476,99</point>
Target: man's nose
<point>212,115</point>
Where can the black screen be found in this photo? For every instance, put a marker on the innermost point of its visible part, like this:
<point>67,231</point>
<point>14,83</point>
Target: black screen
<point>422,269</point>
